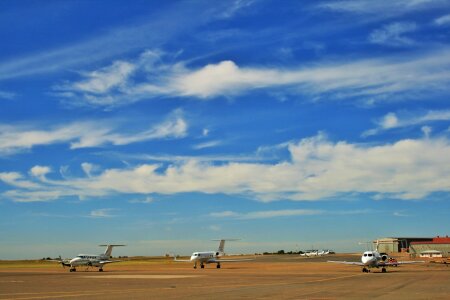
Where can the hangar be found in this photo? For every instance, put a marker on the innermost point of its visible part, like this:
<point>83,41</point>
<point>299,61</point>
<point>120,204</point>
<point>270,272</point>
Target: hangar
<point>437,247</point>
<point>397,244</point>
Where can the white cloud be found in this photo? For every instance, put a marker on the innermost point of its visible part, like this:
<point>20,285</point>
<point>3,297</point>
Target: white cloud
<point>105,79</point>
<point>442,21</point>
<point>17,180</point>
<point>382,8</point>
<point>404,77</point>
<point>209,144</point>
<point>393,34</point>
<point>267,214</point>
<point>147,200</point>
<point>88,168</point>
<point>235,6</point>
<point>391,120</point>
<point>426,131</point>
<point>400,214</point>
<point>40,171</point>
<point>102,213</point>
<point>317,169</point>
<point>87,134</point>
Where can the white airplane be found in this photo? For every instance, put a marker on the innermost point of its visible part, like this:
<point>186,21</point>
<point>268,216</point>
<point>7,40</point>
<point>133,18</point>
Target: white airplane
<point>90,260</point>
<point>373,259</point>
<point>211,257</point>
<point>323,252</point>
<point>309,253</point>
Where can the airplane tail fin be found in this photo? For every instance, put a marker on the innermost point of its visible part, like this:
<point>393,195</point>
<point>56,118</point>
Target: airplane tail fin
<point>109,248</point>
<point>221,249</point>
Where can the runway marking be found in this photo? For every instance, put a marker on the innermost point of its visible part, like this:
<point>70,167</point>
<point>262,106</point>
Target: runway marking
<point>143,276</point>
<point>333,278</point>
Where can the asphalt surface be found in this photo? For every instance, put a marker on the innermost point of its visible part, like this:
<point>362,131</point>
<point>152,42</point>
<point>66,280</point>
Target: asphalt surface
<point>267,277</point>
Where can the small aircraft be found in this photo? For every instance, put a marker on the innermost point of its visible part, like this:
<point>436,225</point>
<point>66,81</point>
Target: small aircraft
<point>309,253</point>
<point>211,257</point>
<point>373,259</point>
<point>90,260</point>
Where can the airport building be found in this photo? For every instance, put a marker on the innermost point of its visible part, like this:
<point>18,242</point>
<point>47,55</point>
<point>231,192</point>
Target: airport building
<point>437,247</point>
<point>397,244</point>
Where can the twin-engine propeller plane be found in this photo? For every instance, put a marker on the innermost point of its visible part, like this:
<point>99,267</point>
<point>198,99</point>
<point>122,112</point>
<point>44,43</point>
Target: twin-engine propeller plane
<point>211,257</point>
<point>90,260</point>
<point>373,259</point>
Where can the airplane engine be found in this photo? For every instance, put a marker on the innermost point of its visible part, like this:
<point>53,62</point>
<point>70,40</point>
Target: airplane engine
<point>384,257</point>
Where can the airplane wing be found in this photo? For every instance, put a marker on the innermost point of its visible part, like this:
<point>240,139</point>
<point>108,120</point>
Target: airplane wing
<point>104,262</point>
<point>214,260</point>
<point>346,262</point>
<point>181,260</point>
<point>399,263</point>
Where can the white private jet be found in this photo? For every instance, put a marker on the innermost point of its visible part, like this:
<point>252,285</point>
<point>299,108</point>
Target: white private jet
<point>323,252</point>
<point>373,259</point>
<point>309,253</point>
<point>90,260</point>
<point>211,257</point>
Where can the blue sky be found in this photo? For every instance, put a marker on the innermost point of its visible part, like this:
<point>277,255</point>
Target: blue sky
<point>164,124</point>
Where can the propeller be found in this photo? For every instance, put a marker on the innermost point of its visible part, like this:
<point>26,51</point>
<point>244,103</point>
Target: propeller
<point>62,262</point>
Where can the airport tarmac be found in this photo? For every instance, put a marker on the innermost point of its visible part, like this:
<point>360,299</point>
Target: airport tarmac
<point>267,277</point>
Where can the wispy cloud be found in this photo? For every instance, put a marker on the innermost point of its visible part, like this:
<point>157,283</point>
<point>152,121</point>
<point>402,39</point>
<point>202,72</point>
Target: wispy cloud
<point>392,121</point>
<point>381,8</point>
<point>268,214</point>
<point>102,213</point>
<point>147,200</point>
<point>317,169</point>
<point>236,6</point>
<point>400,214</point>
<point>366,79</point>
<point>152,31</point>
<point>105,79</point>
<point>86,134</point>
<point>7,95</point>
<point>442,21</point>
<point>393,34</point>
<point>209,144</point>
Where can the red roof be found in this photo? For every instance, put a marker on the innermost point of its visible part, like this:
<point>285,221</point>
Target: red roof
<point>436,240</point>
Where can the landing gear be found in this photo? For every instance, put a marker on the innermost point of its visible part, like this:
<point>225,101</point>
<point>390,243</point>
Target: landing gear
<point>365,270</point>
<point>202,266</point>
<point>100,270</point>
<point>383,270</point>
<point>218,266</point>
<point>72,270</point>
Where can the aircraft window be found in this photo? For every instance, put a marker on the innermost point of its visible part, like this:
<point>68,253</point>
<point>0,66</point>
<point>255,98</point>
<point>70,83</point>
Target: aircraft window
<point>370,254</point>
<point>365,254</point>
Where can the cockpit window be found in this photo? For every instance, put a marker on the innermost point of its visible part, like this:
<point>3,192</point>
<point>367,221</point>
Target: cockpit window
<point>365,254</point>
<point>370,254</point>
